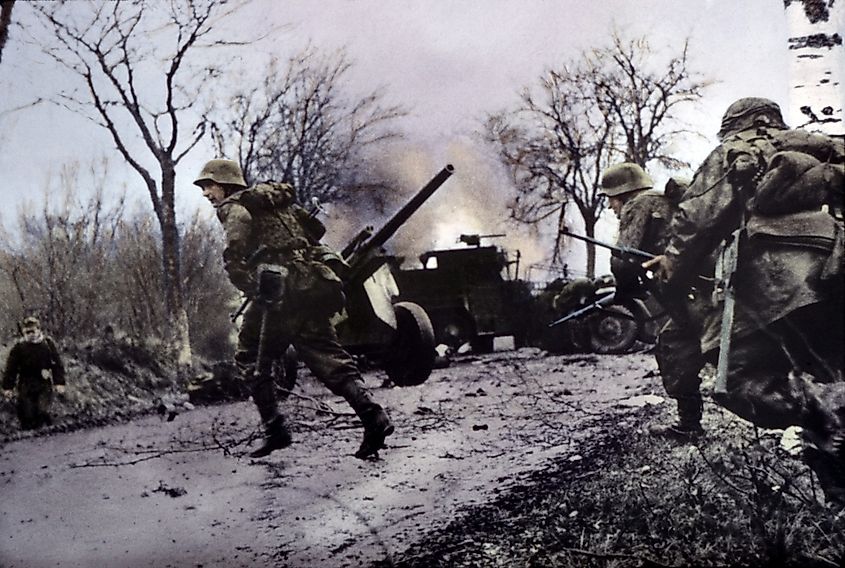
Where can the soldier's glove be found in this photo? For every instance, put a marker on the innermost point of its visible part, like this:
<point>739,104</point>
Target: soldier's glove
<point>271,283</point>
<point>661,266</point>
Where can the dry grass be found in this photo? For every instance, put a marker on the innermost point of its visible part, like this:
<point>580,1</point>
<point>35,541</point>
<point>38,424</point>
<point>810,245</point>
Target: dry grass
<point>735,499</point>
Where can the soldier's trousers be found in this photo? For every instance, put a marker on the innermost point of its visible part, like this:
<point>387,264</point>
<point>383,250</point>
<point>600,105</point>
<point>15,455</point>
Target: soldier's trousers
<point>316,345</point>
<point>680,360</point>
<point>789,373</point>
<point>33,405</point>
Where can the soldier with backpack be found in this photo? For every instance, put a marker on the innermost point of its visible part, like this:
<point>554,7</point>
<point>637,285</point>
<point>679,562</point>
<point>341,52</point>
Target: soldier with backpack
<point>772,197</point>
<point>273,255</point>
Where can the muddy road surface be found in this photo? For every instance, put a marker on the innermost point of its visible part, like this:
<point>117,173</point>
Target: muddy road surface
<point>184,492</point>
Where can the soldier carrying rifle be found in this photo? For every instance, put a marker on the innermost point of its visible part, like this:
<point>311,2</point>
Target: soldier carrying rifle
<point>273,255</point>
<point>644,216</point>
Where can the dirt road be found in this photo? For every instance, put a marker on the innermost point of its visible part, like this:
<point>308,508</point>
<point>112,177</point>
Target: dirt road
<point>184,493</point>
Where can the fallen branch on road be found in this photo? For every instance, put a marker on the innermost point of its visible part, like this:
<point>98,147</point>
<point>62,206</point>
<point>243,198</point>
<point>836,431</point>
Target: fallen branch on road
<point>319,406</point>
<point>142,455</point>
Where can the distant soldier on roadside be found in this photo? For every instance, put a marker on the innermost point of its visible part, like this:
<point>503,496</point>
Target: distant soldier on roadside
<point>34,366</point>
<point>273,256</point>
<point>772,197</point>
<point>644,217</point>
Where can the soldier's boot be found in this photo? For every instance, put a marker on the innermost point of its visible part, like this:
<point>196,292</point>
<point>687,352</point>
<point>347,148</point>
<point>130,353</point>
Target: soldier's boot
<point>688,426</point>
<point>276,437</point>
<point>830,471</point>
<point>276,433</point>
<point>377,424</point>
<point>377,427</point>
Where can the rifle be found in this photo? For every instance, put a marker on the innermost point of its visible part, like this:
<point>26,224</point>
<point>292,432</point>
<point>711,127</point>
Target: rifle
<point>629,253</point>
<point>272,280</point>
<point>726,269</point>
<point>597,305</point>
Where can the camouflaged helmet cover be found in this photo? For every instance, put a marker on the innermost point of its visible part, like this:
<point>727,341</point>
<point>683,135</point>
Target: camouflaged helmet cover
<point>30,322</point>
<point>224,172</point>
<point>748,112</point>
<point>624,178</point>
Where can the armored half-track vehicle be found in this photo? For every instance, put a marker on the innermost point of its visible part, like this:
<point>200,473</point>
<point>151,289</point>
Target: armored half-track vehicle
<point>469,293</point>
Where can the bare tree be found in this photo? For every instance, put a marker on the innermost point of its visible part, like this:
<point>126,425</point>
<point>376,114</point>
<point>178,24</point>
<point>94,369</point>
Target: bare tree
<point>132,58</point>
<point>301,127</point>
<point>5,19</point>
<point>613,104</point>
<point>82,263</point>
<point>817,58</point>
<point>58,261</point>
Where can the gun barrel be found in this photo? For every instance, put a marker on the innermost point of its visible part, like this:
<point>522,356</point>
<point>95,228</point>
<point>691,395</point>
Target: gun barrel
<point>400,217</point>
<point>588,308</point>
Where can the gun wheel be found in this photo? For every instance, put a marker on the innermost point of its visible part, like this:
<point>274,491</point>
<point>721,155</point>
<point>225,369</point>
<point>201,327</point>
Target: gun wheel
<point>411,353</point>
<point>613,330</point>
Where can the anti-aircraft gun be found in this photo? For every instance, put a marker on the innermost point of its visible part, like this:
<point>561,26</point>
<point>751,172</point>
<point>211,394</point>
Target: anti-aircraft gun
<point>397,336</point>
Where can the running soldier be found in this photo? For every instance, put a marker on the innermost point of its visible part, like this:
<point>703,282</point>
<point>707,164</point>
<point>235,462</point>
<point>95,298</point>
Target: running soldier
<point>34,367</point>
<point>644,218</point>
<point>273,256</point>
<point>769,195</point>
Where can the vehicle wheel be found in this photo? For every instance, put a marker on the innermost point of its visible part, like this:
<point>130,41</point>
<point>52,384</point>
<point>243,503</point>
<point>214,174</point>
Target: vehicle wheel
<point>285,371</point>
<point>613,330</point>
<point>455,331</point>
<point>410,356</point>
<point>649,327</point>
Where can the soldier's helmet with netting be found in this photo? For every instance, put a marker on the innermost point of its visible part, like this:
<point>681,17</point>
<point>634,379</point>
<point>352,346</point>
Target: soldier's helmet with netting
<point>750,112</point>
<point>624,178</point>
<point>224,172</point>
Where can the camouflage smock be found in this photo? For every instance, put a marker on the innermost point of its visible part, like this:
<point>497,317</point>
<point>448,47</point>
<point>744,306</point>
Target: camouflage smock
<point>644,225</point>
<point>263,224</point>
<point>768,285</point>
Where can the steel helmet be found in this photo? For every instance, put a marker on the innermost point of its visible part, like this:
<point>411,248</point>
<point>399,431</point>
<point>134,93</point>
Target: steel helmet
<point>624,178</point>
<point>224,172</point>
<point>743,113</point>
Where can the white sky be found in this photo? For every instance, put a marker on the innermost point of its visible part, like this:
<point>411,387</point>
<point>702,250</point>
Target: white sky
<point>449,61</point>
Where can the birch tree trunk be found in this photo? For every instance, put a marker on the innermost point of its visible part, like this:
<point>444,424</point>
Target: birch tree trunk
<point>816,64</point>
